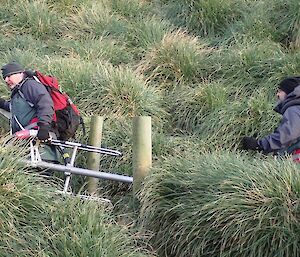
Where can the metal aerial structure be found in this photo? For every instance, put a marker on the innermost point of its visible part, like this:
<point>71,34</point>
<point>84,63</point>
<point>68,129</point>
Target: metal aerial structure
<point>69,167</point>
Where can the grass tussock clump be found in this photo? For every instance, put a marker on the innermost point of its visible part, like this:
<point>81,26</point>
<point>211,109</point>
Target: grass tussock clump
<point>24,206</point>
<point>189,106</point>
<point>222,204</point>
<point>284,17</point>
<point>94,50</point>
<point>265,20</point>
<point>88,229</point>
<point>38,221</point>
<point>147,32</point>
<point>224,127</point>
<point>122,92</point>
<point>95,20</point>
<point>35,18</point>
<point>130,8</point>
<point>206,17</point>
<point>251,64</point>
<point>178,58</point>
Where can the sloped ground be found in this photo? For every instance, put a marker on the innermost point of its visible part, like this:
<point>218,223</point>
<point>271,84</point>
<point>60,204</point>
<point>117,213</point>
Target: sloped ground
<point>206,71</point>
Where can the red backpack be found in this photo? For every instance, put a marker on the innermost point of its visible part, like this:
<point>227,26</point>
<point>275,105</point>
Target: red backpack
<point>66,114</point>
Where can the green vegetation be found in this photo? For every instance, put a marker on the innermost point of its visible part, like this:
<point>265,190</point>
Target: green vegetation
<point>221,204</point>
<point>206,72</point>
<point>38,221</point>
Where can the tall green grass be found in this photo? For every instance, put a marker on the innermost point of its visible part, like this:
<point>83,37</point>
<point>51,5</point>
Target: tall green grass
<point>147,32</point>
<point>275,20</point>
<point>66,7</point>
<point>35,18</point>
<point>251,63</point>
<point>222,204</point>
<point>121,92</point>
<point>88,229</point>
<point>95,19</point>
<point>130,9</point>
<point>38,221</point>
<point>188,107</point>
<point>205,17</point>
<point>23,205</point>
<point>224,127</point>
<point>206,71</point>
<point>285,17</point>
<point>178,58</point>
<point>95,50</point>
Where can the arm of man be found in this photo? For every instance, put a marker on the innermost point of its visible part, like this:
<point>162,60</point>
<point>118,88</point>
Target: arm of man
<point>287,132</point>
<point>37,94</point>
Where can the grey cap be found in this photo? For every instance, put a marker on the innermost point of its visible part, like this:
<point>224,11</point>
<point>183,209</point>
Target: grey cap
<point>11,68</point>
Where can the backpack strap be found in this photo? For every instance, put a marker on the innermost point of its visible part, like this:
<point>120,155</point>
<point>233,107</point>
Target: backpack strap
<point>18,90</point>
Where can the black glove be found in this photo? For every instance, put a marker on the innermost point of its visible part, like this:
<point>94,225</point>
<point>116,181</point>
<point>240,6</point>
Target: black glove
<point>43,133</point>
<point>250,143</point>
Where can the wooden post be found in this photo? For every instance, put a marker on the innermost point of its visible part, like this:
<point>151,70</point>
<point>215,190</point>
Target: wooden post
<point>93,162</point>
<point>142,150</point>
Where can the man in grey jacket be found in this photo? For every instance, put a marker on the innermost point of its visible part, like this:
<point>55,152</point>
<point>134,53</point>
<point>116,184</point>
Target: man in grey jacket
<point>287,134</point>
<point>30,104</point>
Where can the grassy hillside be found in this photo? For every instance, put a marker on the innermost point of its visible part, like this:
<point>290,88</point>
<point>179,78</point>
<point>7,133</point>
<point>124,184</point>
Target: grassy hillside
<point>206,71</point>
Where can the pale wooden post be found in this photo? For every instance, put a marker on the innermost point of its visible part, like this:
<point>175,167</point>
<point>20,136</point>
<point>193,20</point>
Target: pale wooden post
<point>93,162</point>
<point>142,150</point>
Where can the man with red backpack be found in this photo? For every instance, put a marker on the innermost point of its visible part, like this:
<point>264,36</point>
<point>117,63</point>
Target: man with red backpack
<point>30,105</point>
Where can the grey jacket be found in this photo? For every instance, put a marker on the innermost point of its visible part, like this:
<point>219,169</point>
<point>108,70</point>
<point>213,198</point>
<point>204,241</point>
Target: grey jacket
<point>30,100</point>
<point>288,131</point>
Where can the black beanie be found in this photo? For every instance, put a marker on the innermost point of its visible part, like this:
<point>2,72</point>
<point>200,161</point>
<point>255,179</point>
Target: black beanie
<point>11,68</point>
<point>289,84</point>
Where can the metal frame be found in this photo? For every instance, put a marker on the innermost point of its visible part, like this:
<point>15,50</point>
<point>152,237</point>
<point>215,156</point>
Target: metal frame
<point>69,168</point>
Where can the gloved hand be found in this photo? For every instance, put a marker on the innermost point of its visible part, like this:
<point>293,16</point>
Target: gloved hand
<point>250,143</point>
<point>43,133</point>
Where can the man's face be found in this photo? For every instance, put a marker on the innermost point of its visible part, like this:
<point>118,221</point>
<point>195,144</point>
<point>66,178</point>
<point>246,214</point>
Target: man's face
<point>281,95</point>
<point>13,80</point>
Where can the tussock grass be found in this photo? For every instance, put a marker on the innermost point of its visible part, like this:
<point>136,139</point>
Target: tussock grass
<point>67,6</point>
<point>21,42</point>
<point>35,18</point>
<point>255,23</point>
<point>285,17</point>
<point>147,32</point>
<point>189,106</point>
<point>121,92</point>
<point>130,8</point>
<point>90,230</point>
<point>222,204</point>
<point>206,72</point>
<point>206,17</point>
<point>178,58</point>
<point>94,50</point>
<point>213,17</point>
<point>275,20</point>
<point>224,127</point>
<point>165,146</point>
<point>23,205</point>
<point>251,64</point>
<point>115,136</point>
<point>95,20</point>
<point>36,221</point>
